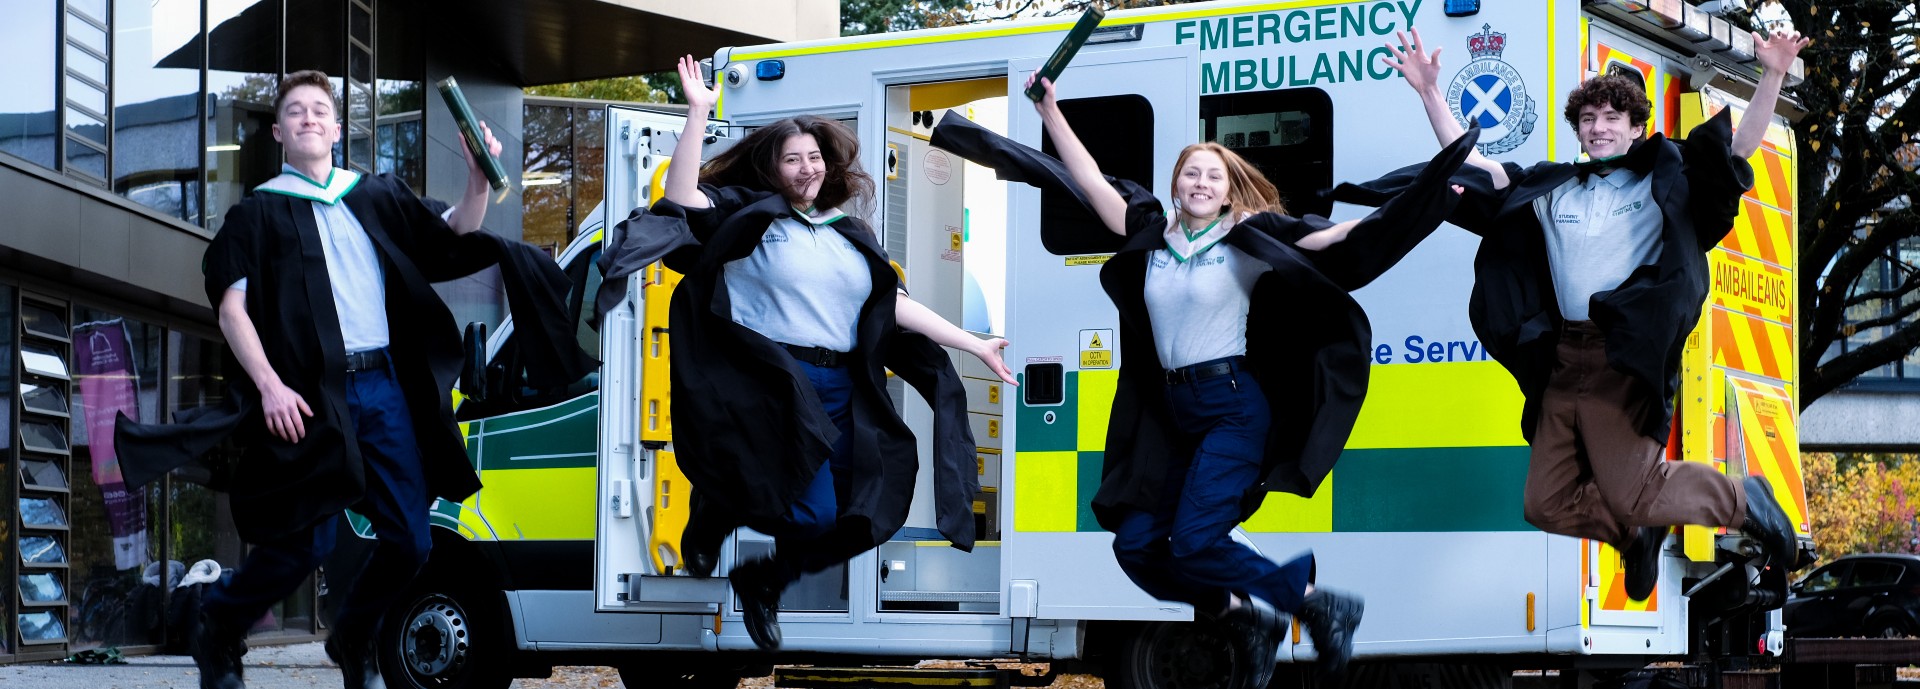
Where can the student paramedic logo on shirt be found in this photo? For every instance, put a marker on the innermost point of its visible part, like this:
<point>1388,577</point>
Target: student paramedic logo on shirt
<point>1489,92</point>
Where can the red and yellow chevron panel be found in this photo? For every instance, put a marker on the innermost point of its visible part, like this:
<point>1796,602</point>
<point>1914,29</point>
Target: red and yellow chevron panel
<point>1613,585</point>
<point>1748,286</point>
<point>1772,179</point>
<point>1752,345</point>
<point>1761,232</point>
<point>1770,443</point>
<point>1608,59</point>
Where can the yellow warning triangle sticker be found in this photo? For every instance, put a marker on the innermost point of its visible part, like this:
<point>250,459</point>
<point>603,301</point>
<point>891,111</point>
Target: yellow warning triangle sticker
<point>1096,342</point>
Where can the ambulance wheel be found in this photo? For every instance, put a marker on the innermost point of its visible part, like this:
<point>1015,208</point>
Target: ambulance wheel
<point>444,637</point>
<point>652,676</point>
<point>1173,655</point>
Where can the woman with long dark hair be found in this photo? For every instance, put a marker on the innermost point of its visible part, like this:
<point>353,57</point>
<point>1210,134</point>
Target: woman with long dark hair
<point>784,326</point>
<point>1244,362</point>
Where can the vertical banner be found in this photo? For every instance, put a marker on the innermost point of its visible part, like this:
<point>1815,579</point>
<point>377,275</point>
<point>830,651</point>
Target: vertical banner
<point>103,367</point>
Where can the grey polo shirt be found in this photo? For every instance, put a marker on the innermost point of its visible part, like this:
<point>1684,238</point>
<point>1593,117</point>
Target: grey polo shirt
<point>803,285</point>
<point>1598,232</point>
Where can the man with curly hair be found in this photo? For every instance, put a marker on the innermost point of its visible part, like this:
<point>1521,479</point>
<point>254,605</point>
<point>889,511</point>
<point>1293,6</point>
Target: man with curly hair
<point>1589,278</point>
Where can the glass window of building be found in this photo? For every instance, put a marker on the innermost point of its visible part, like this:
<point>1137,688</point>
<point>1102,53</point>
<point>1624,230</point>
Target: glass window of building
<point>589,165</point>
<point>156,106</point>
<point>113,534</point>
<point>7,469</point>
<point>547,208</point>
<point>564,170</point>
<point>401,127</point>
<point>201,526</point>
<point>29,41</point>
<point>243,45</point>
<point>85,113</point>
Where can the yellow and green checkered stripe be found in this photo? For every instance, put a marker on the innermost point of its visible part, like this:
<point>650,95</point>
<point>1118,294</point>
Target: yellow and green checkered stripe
<point>1437,447</point>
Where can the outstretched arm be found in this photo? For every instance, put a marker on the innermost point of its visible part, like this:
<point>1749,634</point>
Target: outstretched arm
<point>1422,70</point>
<point>916,317</point>
<point>683,172</point>
<point>1106,202</point>
<point>283,409</point>
<point>1776,55</point>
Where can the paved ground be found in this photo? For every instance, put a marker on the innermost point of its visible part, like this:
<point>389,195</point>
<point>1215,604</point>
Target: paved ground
<point>302,666</point>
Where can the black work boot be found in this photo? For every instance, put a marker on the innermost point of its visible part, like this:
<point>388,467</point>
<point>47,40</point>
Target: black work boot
<point>216,651</point>
<point>1330,618</point>
<point>1256,630</point>
<point>1768,523</point>
<point>1642,561</point>
<point>354,653</point>
<point>700,545</point>
<point>758,585</point>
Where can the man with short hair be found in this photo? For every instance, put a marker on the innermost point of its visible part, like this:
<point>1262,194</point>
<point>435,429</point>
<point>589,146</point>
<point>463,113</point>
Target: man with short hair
<point>1589,278</point>
<point>347,359</point>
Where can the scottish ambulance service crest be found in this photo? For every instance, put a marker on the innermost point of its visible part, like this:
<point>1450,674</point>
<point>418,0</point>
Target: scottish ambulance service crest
<point>1489,93</point>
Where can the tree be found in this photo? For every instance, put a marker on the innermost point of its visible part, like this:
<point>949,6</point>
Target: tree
<point>860,17</point>
<point>1859,230</point>
<point>639,88</point>
<point>1862,503</point>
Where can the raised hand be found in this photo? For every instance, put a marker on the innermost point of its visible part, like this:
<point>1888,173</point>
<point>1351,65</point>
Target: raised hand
<point>1047,103</point>
<point>1776,52</point>
<point>694,85</point>
<point>1422,69</point>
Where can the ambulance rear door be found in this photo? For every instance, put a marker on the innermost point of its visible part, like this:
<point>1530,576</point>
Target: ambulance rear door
<point>1134,109</point>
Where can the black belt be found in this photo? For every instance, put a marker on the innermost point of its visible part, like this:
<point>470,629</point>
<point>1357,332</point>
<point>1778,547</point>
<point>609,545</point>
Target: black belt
<point>818,356</point>
<point>1200,371</point>
<point>367,361</point>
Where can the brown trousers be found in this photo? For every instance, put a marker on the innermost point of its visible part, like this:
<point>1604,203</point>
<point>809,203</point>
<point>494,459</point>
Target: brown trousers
<point>1593,475</point>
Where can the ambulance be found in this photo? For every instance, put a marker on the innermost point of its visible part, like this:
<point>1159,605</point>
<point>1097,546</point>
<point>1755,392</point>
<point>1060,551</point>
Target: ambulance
<point>569,555</point>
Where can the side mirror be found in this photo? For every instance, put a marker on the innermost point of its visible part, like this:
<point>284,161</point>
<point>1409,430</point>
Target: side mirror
<point>473,368</point>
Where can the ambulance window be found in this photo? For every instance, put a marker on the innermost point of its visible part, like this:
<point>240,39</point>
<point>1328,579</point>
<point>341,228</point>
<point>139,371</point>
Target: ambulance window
<point>1286,134</point>
<point>1117,131</point>
<point>1617,68</point>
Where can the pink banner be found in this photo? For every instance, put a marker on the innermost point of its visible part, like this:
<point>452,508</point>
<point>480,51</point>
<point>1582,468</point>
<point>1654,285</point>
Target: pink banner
<point>103,368</point>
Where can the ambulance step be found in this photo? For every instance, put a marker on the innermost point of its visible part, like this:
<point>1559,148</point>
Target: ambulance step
<point>985,676</point>
<point>670,594</point>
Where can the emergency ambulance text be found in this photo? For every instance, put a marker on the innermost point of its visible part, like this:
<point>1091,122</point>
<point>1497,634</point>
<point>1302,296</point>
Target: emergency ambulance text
<point>1359,20</point>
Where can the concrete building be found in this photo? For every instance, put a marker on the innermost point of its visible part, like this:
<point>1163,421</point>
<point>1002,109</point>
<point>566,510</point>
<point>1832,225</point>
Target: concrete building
<point>127,129</point>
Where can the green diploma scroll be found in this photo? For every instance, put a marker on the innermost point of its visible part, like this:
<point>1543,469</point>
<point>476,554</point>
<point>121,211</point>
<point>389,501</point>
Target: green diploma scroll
<point>470,132</point>
<point>1062,55</point>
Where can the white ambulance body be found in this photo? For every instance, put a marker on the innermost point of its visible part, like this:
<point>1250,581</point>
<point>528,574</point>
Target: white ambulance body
<point>1421,516</point>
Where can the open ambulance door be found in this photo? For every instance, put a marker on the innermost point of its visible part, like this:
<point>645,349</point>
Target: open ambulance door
<point>1134,109</point>
<point>641,493</point>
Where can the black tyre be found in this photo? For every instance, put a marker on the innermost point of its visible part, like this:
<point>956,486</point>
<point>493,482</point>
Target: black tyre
<point>444,637</point>
<point>1173,655</point>
<point>1889,627</point>
<point>643,675</point>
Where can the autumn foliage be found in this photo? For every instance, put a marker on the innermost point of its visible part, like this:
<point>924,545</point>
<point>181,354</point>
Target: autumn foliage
<point>1862,503</point>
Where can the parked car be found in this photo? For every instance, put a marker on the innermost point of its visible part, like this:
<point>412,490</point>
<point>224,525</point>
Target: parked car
<point>1875,595</point>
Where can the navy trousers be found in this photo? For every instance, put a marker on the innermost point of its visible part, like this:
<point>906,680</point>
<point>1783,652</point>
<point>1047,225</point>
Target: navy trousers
<point>396,503</point>
<point>812,539</point>
<point>1183,550</point>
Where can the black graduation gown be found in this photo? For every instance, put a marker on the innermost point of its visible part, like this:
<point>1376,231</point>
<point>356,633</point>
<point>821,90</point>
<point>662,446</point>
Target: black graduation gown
<point>1697,183</point>
<point>1307,339</point>
<point>273,241</point>
<point>751,432</point>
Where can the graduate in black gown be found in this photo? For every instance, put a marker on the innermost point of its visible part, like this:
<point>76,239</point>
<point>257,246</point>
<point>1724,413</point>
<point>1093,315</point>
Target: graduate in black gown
<point>347,359</point>
<point>1244,365</point>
